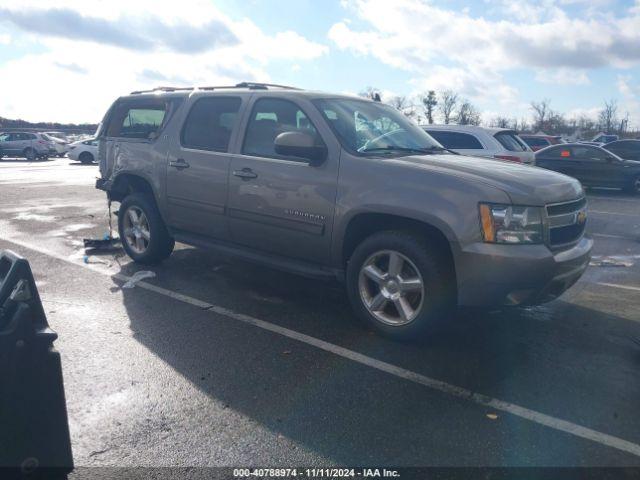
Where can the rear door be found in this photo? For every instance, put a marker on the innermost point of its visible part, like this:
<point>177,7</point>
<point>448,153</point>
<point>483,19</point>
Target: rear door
<point>558,159</point>
<point>282,204</point>
<point>198,166</point>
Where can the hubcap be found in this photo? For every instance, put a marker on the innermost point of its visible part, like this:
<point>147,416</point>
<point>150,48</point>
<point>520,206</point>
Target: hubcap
<point>391,288</point>
<point>136,230</point>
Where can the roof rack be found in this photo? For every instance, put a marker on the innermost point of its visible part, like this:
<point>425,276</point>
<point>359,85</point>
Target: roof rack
<point>263,86</point>
<point>249,85</point>
<point>162,89</point>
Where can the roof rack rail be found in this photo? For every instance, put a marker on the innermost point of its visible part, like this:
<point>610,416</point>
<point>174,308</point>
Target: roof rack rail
<point>249,85</point>
<point>162,89</point>
<point>263,86</point>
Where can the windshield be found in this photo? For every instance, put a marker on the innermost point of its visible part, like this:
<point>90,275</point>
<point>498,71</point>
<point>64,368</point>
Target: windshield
<point>371,128</point>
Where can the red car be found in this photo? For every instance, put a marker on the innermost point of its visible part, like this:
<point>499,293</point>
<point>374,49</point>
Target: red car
<point>537,142</point>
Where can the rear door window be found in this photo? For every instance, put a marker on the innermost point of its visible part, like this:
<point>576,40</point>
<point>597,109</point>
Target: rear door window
<point>456,140</point>
<point>556,153</point>
<point>210,123</point>
<point>510,141</point>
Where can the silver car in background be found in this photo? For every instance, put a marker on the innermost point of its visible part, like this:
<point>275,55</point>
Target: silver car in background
<point>498,143</point>
<point>29,145</point>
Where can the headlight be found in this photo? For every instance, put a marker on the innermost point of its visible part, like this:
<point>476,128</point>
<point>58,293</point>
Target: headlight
<point>511,224</point>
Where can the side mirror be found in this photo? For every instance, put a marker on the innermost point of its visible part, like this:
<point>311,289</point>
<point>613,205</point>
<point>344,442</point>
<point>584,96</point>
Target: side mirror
<point>300,144</point>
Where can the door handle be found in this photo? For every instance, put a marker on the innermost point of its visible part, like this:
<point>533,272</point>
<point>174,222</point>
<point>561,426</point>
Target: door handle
<point>245,174</point>
<point>179,163</point>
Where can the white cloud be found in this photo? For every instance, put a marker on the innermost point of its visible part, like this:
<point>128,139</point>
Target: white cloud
<point>82,72</point>
<point>630,91</point>
<point>442,48</point>
<point>563,76</point>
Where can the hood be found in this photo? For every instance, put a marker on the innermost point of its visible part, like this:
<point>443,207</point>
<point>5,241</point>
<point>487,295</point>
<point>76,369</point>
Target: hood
<point>524,184</point>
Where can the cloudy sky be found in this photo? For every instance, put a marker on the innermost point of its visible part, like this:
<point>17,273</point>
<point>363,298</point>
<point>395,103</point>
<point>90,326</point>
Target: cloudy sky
<point>68,60</point>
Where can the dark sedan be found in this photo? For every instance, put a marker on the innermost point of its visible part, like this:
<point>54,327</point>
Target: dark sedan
<point>592,165</point>
<point>627,149</point>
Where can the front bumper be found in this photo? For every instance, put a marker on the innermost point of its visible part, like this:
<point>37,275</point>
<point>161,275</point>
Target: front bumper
<point>491,275</point>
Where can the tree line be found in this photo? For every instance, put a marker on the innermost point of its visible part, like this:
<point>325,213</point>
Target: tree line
<point>449,107</point>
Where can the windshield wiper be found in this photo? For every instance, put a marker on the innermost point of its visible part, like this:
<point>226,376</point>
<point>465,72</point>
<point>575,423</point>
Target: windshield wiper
<point>442,149</point>
<point>422,150</point>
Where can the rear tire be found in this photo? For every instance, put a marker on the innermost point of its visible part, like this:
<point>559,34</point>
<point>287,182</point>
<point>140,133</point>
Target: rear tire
<point>400,284</point>
<point>29,153</point>
<point>86,158</point>
<point>143,233</point>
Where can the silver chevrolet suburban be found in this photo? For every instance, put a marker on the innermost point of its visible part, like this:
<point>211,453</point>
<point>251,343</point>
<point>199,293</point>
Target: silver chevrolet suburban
<point>336,186</point>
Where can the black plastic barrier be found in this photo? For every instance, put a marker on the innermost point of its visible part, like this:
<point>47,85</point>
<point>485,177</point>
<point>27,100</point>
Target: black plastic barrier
<point>34,433</point>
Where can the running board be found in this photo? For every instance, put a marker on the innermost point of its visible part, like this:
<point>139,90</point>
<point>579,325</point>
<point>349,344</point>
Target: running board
<point>299,267</point>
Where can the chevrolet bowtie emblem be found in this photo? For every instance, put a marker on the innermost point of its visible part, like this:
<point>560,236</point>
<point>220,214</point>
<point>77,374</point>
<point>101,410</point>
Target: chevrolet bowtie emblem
<point>581,218</point>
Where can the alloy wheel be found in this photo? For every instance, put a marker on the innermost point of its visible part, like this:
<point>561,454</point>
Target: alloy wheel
<point>391,288</point>
<point>137,233</point>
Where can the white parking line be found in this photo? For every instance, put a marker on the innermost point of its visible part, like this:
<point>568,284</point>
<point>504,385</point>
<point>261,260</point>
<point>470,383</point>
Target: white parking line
<point>621,237</point>
<point>615,285</point>
<point>434,384</point>
<point>615,213</point>
<point>614,199</point>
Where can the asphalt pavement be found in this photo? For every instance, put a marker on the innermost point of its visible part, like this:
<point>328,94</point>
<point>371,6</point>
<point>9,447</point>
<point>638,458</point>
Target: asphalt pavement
<point>216,362</point>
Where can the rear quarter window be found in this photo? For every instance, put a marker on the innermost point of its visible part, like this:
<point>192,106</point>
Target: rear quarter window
<point>510,141</point>
<point>138,119</point>
<point>456,140</point>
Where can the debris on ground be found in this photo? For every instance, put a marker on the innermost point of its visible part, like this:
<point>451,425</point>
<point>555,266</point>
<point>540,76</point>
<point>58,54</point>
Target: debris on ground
<point>90,261</point>
<point>106,243</point>
<point>612,261</point>
<point>138,276</point>
<point>492,416</point>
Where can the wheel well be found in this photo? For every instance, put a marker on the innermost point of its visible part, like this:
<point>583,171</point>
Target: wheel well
<point>126,184</point>
<point>366,224</point>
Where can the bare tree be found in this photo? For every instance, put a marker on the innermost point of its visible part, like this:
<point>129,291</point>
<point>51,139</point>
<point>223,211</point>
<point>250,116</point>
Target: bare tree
<point>448,103</point>
<point>467,114</point>
<point>501,122</point>
<point>541,113</point>
<point>371,93</point>
<point>608,116</point>
<point>403,104</point>
<point>429,103</point>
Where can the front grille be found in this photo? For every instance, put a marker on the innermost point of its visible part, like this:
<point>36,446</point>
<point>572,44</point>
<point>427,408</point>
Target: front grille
<point>567,222</point>
<point>569,207</point>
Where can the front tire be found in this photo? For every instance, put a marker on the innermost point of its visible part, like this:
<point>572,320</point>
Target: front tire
<point>634,185</point>
<point>143,233</point>
<point>399,284</point>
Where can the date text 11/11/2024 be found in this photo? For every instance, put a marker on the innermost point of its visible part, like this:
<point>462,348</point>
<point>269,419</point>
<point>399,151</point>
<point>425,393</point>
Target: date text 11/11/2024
<point>315,473</point>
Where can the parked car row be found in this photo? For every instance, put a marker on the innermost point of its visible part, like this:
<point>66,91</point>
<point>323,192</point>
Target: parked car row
<point>42,145</point>
<point>615,164</point>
